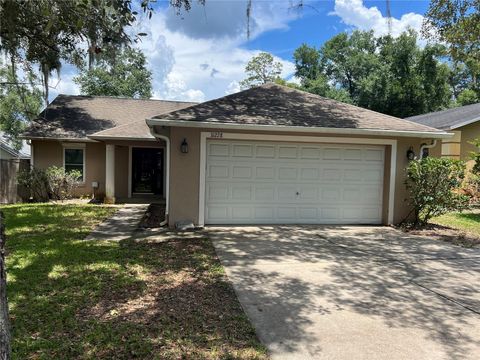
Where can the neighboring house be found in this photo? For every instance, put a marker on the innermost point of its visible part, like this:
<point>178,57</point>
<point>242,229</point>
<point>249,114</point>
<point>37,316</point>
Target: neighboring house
<point>11,162</point>
<point>266,155</point>
<point>463,121</point>
<point>7,151</point>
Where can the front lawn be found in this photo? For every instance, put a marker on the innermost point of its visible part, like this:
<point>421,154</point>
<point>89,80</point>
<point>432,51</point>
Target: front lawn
<point>71,298</point>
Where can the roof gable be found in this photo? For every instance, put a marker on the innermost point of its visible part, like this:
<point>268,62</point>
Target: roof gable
<point>277,105</point>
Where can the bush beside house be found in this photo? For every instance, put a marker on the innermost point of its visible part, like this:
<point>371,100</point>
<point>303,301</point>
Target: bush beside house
<point>435,188</point>
<point>53,183</point>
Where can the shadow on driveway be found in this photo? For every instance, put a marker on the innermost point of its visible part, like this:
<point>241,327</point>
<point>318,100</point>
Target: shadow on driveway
<point>354,292</point>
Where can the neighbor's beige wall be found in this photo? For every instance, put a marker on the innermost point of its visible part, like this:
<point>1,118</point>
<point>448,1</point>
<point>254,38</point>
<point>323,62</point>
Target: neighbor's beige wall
<point>459,146</point>
<point>469,133</point>
<point>48,153</point>
<point>185,173</point>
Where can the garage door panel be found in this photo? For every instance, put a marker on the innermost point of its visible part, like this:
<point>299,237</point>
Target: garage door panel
<point>255,183</point>
<point>287,152</point>
<point>218,149</point>
<point>312,153</point>
<point>242,150</point>
<point>218,172</point>
<point>265,151</point>
<point>241,172</point>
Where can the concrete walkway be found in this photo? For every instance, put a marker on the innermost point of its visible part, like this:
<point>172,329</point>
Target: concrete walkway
<point>121,225</point>
<point>361,292</point>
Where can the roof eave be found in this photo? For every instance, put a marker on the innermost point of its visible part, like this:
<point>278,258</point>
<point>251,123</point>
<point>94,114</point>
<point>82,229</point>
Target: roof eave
<point>324,130</point>
<point>74,139</point>
<point>123,138</point>
<point>464,123</point>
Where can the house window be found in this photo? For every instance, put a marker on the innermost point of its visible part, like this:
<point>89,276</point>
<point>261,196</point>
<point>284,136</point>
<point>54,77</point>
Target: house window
<point>74,159</point>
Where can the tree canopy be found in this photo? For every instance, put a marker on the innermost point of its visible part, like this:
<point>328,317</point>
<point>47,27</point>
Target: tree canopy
<point>261,69</point>
<point>390,75</point>
<point>19,102</point>
<point>457,23</point>
<point>126,75</point>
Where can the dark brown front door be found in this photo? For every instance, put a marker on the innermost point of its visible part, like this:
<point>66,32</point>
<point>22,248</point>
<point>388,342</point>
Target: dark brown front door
<point>147,171</point>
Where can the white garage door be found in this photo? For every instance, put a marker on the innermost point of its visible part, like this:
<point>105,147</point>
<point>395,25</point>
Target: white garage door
<point>289,183</point>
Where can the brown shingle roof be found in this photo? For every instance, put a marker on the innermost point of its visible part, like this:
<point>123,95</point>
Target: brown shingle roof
<point>134,130</point>
<point>277,105</point>
<point>71,116</point>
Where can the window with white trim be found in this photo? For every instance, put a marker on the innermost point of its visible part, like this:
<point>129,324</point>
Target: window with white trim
<point>74,159</point>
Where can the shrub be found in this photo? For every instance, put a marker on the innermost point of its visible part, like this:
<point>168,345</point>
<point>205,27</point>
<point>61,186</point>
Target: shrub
<point>53,183</point>
<point>434,187</point>
<point>35,182</point>
<point>61,184</point>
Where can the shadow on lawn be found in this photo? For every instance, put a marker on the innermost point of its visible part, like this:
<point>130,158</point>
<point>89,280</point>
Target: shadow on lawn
<point>80,299</point>
<point>380,273</point>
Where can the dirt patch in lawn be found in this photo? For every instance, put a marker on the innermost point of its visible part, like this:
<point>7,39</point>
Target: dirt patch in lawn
<point>443,233</point>
<point>182,308</point>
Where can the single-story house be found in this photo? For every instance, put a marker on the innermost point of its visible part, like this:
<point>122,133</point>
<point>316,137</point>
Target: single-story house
<point>463,122</point>
<point>267,155</point>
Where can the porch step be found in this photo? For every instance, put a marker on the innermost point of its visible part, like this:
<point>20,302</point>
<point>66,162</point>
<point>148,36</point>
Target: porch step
<point>121,225</point>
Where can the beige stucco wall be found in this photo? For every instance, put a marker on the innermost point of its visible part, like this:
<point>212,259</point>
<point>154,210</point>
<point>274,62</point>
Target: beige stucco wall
<point>48,153</point>
<point>185,173</point>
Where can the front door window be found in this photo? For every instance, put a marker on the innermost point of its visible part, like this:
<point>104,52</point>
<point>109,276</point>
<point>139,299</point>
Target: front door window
<point>147,171</point>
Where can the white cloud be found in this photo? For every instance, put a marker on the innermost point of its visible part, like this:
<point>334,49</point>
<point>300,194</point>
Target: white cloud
<point>356,14</point>
<point>195,60</point>
<point>198,55</point>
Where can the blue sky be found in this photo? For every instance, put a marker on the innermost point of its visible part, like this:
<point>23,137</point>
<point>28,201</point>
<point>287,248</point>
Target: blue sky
<point>200,55</point>
<point>314,26</point>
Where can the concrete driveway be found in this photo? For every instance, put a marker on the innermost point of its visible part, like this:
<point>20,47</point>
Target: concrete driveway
<point>354,292</point>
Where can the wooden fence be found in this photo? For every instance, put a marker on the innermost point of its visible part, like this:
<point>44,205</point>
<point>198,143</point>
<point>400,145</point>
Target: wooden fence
<point>10,192</point>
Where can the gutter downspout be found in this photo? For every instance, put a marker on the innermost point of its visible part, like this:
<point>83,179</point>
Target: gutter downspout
<point>423,147</point>
<point>167,171</point>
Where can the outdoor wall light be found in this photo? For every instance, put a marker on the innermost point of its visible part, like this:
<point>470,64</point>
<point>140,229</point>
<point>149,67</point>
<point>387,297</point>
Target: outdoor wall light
<point>184,147</point>
<point>410,154</point>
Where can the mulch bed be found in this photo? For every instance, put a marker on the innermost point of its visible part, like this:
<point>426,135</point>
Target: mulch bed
<point>154,215</point>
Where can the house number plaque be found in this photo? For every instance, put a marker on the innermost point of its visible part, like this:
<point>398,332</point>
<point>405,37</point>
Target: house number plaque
<point>216,134</point>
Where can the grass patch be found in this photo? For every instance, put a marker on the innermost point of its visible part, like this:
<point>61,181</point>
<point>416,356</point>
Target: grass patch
<point>71,298</point>
<point>468,221</point>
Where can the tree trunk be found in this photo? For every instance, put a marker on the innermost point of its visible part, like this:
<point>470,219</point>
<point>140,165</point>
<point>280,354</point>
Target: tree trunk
<point>5,350</point>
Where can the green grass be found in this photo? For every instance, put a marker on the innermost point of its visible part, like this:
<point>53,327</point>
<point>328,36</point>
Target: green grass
<point>71,298</point>
<point>468,221</point>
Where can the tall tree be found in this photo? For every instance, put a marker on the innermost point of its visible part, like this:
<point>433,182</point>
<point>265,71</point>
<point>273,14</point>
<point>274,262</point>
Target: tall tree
<point>20,102</point>
<point>261,69</point>
<point>125,75</point>
<point>307,63</point>
<point>349,58</point>
<point>457,23</point>
<point>390,75</point>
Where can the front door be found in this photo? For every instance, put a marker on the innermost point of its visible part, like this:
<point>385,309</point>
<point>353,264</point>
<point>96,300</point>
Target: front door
<point>147,171</point>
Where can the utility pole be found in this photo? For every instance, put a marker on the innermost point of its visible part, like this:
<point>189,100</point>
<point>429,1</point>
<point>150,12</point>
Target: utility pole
<point>389,18</point>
